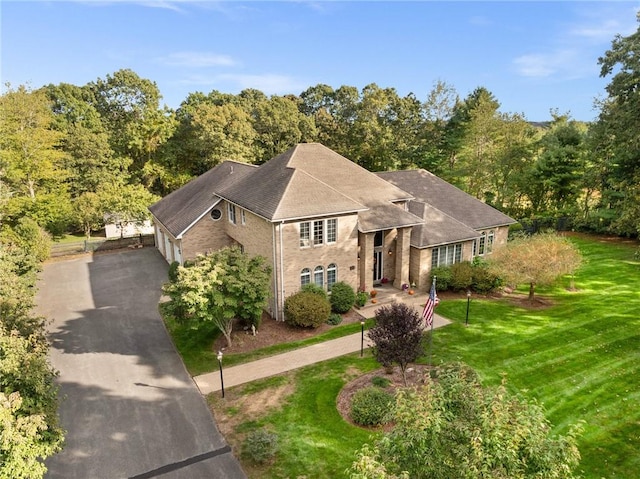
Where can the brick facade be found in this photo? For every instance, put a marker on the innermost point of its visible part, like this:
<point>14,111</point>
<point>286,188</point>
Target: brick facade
<point>204,236</point>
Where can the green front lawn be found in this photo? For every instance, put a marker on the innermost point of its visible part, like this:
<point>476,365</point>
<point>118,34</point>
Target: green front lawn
<point>580,357</point>
<point>196,344</point>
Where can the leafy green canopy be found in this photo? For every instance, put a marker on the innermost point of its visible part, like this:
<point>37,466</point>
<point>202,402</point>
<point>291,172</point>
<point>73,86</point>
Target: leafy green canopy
<point>453,427</point>
<point>29,429</point>
<point>220,287</point>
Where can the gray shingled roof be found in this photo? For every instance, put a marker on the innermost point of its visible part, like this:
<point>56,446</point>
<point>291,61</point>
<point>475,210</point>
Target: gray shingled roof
<point>310,180</point>
<point>344,175</point>
<point>283,189</point>
<point>438,228</point>
<point>181,208</point>
<point>453,202</point>
<point>385,216</point>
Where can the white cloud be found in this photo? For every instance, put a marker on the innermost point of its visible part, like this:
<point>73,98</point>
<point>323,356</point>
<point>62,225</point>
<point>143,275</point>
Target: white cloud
<point>604,31</point>
<point>573,51</point>
<point>544,64</point>
<point>270,84</point>
<point>197,59</point>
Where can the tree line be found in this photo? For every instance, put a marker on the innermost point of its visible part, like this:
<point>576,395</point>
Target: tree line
<point>69,154</point>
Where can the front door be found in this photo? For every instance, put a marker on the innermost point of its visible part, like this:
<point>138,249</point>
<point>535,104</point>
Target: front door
<point>377,264</point>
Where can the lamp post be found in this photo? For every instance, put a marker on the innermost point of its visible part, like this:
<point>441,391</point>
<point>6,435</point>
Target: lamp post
<point>466,321</point>
<point>361,338</point>
<point>221,378</point>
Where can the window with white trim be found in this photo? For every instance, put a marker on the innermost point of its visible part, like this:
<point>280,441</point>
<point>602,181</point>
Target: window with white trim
<point>243,218</point>
<point>215,214</point>
<point>231,213</point>
<point>490,237</point>
<point>446,255</point>
<point>305,276</point>
<point>332,275</point>
<point>482,241</point>
<point>332,230</point>
<point>305,235</point>
<point>318,276</point>
<point>318,232</point>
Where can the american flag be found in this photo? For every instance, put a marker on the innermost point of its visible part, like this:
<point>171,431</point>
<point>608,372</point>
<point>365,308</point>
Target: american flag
<point>432,302</point>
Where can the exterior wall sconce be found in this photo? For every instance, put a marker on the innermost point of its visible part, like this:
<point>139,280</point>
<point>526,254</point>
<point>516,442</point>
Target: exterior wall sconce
<point>390,252</point>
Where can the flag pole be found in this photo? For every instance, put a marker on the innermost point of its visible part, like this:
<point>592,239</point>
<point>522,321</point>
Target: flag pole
<point>431,335</point>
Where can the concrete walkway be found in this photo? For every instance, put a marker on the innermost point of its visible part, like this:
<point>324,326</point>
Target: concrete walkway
<point>280,363</point>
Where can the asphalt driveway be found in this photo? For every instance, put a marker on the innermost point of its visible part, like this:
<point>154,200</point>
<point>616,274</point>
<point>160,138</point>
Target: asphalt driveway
<point>129,407</point>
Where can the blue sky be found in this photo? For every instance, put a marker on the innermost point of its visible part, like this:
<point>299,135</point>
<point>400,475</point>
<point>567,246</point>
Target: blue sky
<point>533,56</point>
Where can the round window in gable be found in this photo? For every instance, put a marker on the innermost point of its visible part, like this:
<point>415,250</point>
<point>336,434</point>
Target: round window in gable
<point>216,214</point>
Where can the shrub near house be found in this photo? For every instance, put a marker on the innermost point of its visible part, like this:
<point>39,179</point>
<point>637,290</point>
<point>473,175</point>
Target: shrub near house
<point>306,309</point>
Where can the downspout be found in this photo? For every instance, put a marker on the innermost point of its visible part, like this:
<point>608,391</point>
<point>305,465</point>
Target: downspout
<point>275,276</point>
<point>282,268</point>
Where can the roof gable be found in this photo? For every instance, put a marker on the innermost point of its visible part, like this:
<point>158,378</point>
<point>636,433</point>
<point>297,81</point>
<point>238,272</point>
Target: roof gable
<point>181,208</point>
<point>344,175</point>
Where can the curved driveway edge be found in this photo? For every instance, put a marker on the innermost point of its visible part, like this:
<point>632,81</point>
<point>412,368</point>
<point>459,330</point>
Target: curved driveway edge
<point>128,404</point>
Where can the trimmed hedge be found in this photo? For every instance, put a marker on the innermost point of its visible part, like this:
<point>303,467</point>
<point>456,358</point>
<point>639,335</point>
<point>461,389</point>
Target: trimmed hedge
<point>461,276</point>
<point>305,309</point>
<point>361,298</point>
<point>465,275</point>
<point>342,297</point>
<point>315,289</point>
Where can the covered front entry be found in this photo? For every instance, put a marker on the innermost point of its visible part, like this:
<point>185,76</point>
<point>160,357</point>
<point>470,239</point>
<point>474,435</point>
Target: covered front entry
<point>374,248</point>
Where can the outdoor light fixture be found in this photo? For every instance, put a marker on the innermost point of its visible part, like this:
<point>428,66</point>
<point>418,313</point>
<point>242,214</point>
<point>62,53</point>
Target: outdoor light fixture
<point>221,378</point>
<point>390,252</point>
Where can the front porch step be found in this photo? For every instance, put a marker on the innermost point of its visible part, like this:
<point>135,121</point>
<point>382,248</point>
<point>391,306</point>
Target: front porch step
<point>389,294</point>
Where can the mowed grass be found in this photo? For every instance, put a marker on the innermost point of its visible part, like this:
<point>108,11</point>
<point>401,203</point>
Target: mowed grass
<point>195,344</point>
<point>579,357</point>
<point>315,442</point>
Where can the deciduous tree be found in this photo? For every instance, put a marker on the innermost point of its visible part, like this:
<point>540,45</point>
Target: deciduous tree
<point>397,336</point>
<point>536,260</point>
<point>29,154</point>
<point>453,427</point>
<point>220,287</point>
<point>618,124</point>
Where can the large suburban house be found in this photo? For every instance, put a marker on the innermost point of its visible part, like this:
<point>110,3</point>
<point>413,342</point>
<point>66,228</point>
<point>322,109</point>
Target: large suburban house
<point>320,218</point>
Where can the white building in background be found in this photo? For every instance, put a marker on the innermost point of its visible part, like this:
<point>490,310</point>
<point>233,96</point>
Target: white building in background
<point>124,230</point>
